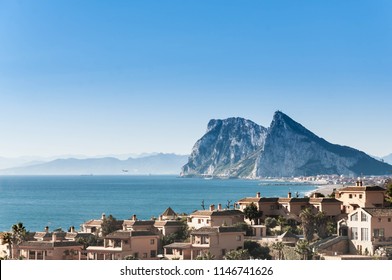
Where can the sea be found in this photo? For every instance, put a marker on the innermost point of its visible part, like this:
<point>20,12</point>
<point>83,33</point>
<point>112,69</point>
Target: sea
<point>64,201</point>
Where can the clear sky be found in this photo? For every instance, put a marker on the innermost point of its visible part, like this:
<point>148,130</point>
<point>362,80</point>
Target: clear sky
<point>107,77</point>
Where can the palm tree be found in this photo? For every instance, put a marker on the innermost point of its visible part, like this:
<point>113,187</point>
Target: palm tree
<point>7,239</point>
<point>307,219</point>
<point>321,222</point>
<point>303,249</point>
<point>279,246</point>
<point>17,236</point>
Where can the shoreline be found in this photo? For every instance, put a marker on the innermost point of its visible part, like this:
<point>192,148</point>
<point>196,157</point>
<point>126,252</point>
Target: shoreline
<point>325,189</point>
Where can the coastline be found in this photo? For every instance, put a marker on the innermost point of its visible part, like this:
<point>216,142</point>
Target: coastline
<point>325,189</point>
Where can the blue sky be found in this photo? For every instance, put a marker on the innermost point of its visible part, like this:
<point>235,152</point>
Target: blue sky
<point>108,77</point>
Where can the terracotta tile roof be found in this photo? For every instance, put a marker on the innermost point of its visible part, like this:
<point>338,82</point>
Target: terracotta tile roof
<point>49,244</point>
<point>209,230</point>
<point>217,213</point>
<point>169,212</point>
<point>258,199</point>
<point>138,223</point>
<point>294,199</point>
<point>361,189</point>
<point>125,234</point>
<point>168,223</point>
<point>324,200</point>
<point>177,245</point>
<point>379,212</point>
<point>119,234</point>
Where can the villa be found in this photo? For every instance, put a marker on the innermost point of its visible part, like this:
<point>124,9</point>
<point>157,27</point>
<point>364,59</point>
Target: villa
<point>290,207</point>
<point>214,217</point>
<point>215,240</point>
<point>360,196</point>
<point>367,229</point>
<point>120,244</point>
<point>52,246</point>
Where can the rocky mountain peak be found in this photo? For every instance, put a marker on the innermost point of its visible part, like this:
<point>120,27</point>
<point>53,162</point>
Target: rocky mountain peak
<point>236,147</point>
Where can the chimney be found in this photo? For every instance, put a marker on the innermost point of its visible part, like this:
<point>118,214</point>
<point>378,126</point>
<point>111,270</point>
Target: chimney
<point>46,229</point>
<point>219,207</point>
<point>360,183</point>
<point>258,194</point>
<point>103,216</point>
<point>54,236</point>
<point>160,217</point>
<point>72,229</point>
<point>212,207</point>
<point>134,217</point>
<point>289,195</point>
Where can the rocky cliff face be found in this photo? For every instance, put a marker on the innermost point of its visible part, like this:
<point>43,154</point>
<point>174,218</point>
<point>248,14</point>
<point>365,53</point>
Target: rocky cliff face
<point>240,148</point>
<point>225,144</point>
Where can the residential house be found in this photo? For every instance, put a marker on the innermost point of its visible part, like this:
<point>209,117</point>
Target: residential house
<point>290,207</point>
<point>357,196</point>
<point>52,246</point>
<point>214,217</point>
<point>216,240</point>
<point>95,225</point>
<point>120,244</point>
<point>367,229</point>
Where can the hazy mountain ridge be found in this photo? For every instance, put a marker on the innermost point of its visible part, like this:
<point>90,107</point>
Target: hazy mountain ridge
<point>287,149</point>
<point>154,164</point>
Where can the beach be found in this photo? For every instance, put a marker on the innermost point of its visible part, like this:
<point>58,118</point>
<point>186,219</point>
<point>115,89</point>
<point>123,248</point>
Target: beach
<point>325,189</point>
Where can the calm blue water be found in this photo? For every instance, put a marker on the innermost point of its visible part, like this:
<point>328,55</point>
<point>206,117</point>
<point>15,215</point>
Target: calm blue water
<point>62,201</point>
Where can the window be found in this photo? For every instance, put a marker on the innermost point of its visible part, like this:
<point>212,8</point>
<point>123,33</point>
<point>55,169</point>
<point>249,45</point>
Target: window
<point>354,233</point>
<point>379,220</point>
<point>223,252</point>
<point>153,253</point>
<point>238,238</point>
<point>199,221</point>
<point>350,196</point>
<point>205,240</point>
<point>378,232</point>
<point>364,234</point>
<point>360,196</point>
<point>364,218</point>
<point>389,220</point>
<point>136,255</point>
<point>144,255</point>
<point>208,221</point>
<point>354,217</point>
<point>152,241</point>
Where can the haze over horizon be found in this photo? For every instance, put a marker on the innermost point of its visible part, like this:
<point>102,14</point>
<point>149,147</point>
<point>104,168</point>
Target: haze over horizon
<point>95,78</point>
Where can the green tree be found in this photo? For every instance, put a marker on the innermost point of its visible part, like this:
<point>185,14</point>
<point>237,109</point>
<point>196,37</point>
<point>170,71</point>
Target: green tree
<point>307,219</point>
<point>206,256</point>
<point>92,240</point>
<point>270,223</point>
<point>244,227</point>
<point>108,225</point>
<point>252,213</point>
<point>303,249</point>
<point>241,254</point>
<point>278,246</point>
<point>257,251</point>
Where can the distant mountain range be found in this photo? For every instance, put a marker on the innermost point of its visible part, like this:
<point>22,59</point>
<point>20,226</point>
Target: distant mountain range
<point>388,158</point>
<point>149,164</point>
<point>240,148</point>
